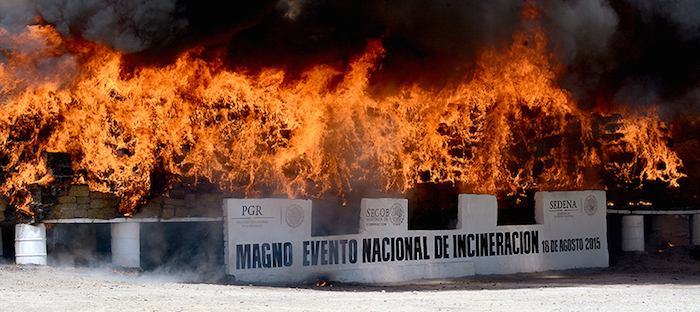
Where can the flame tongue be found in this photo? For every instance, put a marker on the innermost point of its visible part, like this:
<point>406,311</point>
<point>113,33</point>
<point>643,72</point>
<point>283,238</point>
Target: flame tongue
<point>506,129</point>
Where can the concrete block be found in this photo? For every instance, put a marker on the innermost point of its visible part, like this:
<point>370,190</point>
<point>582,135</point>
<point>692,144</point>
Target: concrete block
<point>174,202</point>
<point>175,193</point>
<point>82,200</point>
<point>81,213</point>
<point>103,214</point>
<point>168,213</point>
<point>153,206</point>
<point>190,200</point>
<point>211,213</point>
<point>209,202</point>
<point>79,191</point>
<point>66,207</point>
<point>66,199</point>
<point>58,215</point>
<point>111,203</point>
<point>107,214</point>
<point>97,204</point>
<point>193,212</point>
<point>83,207</point>
<point>149,211</point>
<point>3,204</point>
<point>181,212</point>
<point>97,195</point>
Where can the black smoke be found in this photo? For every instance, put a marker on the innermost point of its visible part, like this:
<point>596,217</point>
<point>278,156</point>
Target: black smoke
<point>651,59</point>
<point>620,52</point>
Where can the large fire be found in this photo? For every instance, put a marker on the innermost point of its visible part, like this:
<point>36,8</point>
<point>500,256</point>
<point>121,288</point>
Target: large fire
<point>506,128</point>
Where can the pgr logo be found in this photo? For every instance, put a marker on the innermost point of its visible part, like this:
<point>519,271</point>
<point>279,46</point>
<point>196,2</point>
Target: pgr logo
<point>294,216</point>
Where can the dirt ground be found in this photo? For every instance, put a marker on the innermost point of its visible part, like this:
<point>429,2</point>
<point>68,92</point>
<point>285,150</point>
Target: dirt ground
<point>668,281</point>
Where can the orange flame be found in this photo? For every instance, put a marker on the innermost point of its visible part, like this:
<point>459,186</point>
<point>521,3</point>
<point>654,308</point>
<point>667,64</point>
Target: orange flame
<point>644,139</point>
<point>506,128</point>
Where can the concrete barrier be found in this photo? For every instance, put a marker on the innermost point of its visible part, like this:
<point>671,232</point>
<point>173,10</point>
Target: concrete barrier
<point>269,240</point>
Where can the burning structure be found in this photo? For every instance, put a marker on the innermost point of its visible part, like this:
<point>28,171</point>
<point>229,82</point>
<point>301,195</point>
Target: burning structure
<point>162,108</point>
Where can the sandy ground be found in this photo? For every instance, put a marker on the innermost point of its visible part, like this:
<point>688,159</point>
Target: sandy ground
<point>648,281</point>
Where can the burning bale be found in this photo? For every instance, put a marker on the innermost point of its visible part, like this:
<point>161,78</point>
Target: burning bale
<point>3,207</point>
<point>137,133</point>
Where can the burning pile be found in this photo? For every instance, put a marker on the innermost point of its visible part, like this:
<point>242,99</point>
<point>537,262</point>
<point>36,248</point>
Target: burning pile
<point>134,130</point>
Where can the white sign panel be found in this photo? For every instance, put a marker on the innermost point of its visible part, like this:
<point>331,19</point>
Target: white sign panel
<point>571,232</point>
<point>269,240</point>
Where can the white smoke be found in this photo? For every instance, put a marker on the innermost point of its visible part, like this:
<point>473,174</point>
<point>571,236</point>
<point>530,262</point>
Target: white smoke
<point>128,26</point>
<point>125,25</point>
<point>25,63</point>
<point>291,8</point>
<point>15,14</point>
<point>682,13</point>
<point>584,27</point>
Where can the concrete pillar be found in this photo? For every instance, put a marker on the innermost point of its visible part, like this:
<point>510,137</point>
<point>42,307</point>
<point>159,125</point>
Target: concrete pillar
<point>656,237</point>
<point>126,249</point>
<point>633,233</point>
<point>30,244</point>
<point>695,232</point>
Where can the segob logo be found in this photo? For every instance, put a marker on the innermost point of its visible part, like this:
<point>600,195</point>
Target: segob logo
<point>294,215</point>
<point>590,205</point>
<point>396,214</point>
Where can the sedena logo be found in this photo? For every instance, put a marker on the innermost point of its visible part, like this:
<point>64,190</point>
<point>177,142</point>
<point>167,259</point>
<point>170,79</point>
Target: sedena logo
<point>590,205</point>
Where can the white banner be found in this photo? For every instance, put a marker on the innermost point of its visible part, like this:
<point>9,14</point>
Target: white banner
<point>269,240</point>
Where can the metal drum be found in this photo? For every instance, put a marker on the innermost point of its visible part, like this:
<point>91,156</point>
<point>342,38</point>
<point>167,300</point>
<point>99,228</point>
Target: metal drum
<point>30,244</point>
